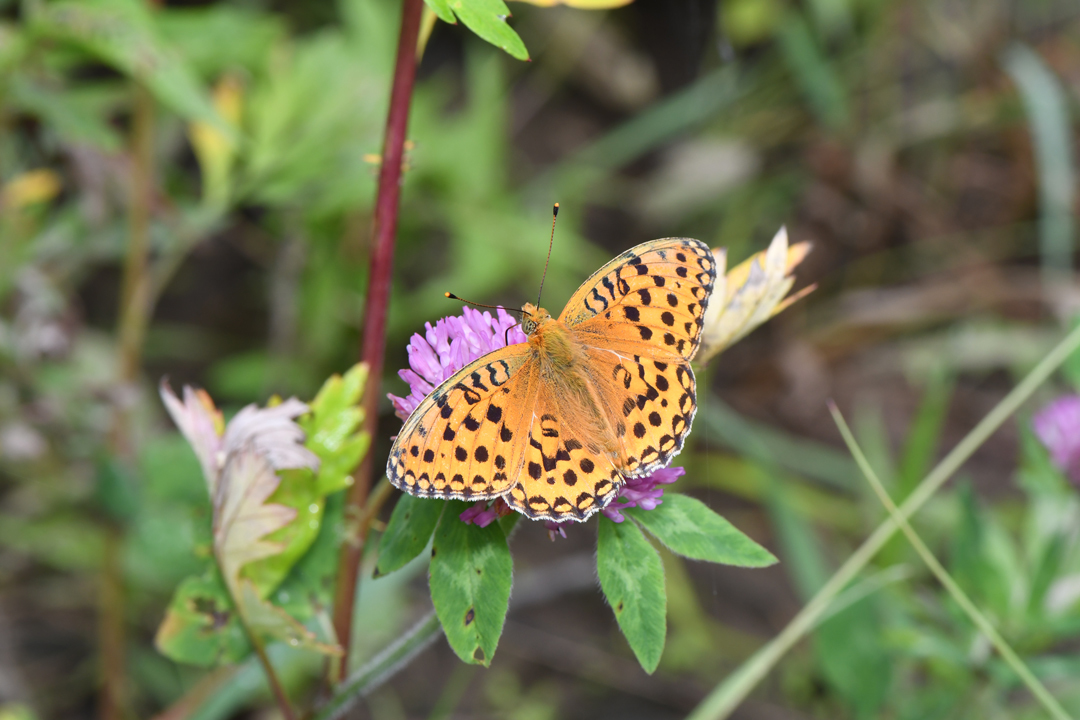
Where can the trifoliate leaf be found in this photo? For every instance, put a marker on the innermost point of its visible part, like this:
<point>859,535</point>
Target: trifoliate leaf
<point>332,425</point>
<point>332,436</point>
<point>201,626</point>
<point>243,518</point>
<point>270,621</point>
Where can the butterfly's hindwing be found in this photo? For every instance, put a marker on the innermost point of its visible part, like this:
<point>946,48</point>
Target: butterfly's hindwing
<point>462,441</point>
<point>565,475</point>
<point>650,402</point>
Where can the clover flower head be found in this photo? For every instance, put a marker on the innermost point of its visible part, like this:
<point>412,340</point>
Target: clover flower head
<point>450,345</point>
<point>1058,427</point>
<point>643,492</point>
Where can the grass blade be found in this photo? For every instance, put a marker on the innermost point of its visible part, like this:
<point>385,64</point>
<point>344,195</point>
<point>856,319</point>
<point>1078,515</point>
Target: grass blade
<point>985,626</point>
<point>1048,111</point>
<point>733,690</point>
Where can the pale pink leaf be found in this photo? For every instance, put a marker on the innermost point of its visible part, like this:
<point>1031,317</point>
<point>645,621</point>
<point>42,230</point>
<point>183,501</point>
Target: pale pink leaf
<point>199,421</point>
<point>242,518</point>
<point>272,433</point>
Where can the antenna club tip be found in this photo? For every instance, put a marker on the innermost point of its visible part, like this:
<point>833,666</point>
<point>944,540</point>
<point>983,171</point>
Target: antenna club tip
<point>555,210</point>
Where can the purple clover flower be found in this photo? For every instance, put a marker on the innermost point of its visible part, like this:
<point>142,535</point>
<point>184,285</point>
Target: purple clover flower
<point>453,343</point>
<point>482,514</point>
<point>642,492</point>
<point>1058,427</point>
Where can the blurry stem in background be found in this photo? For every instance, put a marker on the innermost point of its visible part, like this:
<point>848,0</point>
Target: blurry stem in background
<point>133,312</point>
<point>375,311</point>
<point>1048,114</point>
<point>381,667</point>
<point>268,667</point>
<point>285,278</point>
<point>727,696</point>
<point>134,294</point>
<point>985,626</point>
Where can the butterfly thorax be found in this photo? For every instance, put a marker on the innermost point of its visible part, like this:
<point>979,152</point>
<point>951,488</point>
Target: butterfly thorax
<point>563,361</point>
<point>551,341</point>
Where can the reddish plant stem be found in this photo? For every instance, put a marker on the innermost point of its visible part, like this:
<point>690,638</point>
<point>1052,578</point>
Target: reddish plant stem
<point>271,677</point>
<point>375,311</point>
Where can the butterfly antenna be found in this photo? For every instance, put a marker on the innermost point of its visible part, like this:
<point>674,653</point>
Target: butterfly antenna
<point>506,335</point>
<point>452,296</point>
<point>554,215</point>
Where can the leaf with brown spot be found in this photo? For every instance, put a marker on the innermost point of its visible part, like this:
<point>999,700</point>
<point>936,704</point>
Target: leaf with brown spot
<point>632,578</point>
<point>470,574</point>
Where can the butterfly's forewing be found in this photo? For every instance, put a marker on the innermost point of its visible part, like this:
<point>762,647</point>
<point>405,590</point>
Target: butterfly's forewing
<point>568,473</point>
<point>467,438</point>
<point>640,319</point>
<point>653,295</point>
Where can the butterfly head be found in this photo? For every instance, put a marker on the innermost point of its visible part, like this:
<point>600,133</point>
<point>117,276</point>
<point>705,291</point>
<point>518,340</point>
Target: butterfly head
<point>533,317</point>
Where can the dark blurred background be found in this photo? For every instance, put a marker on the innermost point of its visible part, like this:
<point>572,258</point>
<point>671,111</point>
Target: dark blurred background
<point>925,148</point>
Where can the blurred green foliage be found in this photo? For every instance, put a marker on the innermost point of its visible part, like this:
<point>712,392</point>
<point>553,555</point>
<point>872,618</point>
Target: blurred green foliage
<point>887,132</point>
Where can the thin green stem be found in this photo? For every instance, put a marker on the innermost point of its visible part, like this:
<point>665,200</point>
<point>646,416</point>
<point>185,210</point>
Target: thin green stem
<point>981,621</point>
<point>733,690</point>
<point>237,591</point>
<point>134,308</point>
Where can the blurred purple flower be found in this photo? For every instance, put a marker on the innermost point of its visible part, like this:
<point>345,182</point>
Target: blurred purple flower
<point>642,492</point>
<point>1058,427</point>
<point>452,344</point>
<point>482,514</point>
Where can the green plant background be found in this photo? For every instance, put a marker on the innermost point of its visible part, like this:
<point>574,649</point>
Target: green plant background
<point>926,149</point>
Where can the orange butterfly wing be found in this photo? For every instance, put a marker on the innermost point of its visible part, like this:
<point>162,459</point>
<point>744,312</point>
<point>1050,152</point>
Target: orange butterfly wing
<point>466,439</point>
<point>499,427</point>
<point>638,319</point>
<point>567,474</point>
<point>653,294</point>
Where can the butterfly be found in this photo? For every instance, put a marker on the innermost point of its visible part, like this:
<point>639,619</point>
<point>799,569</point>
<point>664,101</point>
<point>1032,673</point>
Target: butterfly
<point>556,425</point>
